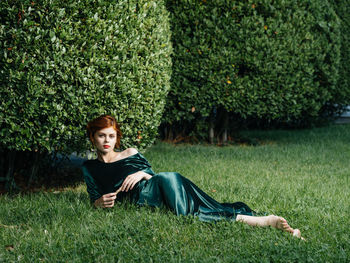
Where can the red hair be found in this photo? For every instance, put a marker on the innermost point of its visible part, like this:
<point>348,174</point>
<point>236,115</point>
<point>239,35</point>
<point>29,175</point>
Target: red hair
<point>102,122</point>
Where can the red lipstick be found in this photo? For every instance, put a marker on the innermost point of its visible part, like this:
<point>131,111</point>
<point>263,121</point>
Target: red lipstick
<point>106,146</point>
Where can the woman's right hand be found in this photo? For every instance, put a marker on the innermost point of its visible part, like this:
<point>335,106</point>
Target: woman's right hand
<point>106,200</point>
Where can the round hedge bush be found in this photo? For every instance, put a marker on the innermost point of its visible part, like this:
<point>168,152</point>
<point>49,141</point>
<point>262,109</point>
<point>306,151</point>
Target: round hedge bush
<point>65,62</point>
<point>270,59</point>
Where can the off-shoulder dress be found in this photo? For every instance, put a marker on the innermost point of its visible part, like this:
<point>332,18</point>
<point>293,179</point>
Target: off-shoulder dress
<point>166,189</point>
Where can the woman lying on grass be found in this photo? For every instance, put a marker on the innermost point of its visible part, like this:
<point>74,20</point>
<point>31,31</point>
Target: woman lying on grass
<point>128,175</point>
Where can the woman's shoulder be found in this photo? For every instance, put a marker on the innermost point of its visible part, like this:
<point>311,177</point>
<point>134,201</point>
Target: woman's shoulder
<point>126,154</point>
<point>130,151</point>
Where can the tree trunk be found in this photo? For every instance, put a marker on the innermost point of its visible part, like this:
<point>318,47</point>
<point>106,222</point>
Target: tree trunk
<point>10,180</point>
<point>211,133</point>
<point>225,126</point>
<point>170,134</point>
<point>35,168</point>
<point>212,126</point>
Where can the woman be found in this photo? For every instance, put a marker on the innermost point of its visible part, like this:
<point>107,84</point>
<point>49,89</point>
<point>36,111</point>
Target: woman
<point>128,175</point>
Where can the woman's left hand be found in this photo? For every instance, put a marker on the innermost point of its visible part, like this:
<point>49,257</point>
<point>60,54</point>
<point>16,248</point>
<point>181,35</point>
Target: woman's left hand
<point>132,179</point>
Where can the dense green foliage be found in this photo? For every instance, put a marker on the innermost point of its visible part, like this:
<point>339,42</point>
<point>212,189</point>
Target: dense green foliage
<point>342,8</point>
<point>66,62</point>
<point>302,175</point>
<point>269,59</point>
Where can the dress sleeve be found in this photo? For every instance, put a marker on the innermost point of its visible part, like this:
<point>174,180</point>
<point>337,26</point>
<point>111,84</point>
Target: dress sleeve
<point>148,167</point>
<point>92,188</point>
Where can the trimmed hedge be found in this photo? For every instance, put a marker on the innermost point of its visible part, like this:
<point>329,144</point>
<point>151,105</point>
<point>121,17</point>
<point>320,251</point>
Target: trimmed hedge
<point>66,62</point>
<point>270,59</point>
<point>342,8</point>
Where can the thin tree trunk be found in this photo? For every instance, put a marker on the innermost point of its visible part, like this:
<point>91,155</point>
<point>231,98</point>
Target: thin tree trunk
<point>35,168</point>
<point>225,126</point>
<point>211,133</point>
<point>2,166</point>
<point>10,180</point>
<point>170,134</point>
<point>224,137</point>
<point>165,132</point>
<point>211,126</point>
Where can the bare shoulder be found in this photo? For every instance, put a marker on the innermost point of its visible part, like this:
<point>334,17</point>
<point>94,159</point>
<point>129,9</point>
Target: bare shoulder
<point>130,151</point>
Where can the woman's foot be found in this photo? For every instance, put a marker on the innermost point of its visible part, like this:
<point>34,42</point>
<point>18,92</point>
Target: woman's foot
<point>281,223</point>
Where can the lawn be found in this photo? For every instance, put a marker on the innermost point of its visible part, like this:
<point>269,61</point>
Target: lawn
<point>302,175</point>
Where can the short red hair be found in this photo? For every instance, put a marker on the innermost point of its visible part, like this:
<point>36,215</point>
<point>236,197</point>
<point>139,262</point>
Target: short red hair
<point>102,122</point>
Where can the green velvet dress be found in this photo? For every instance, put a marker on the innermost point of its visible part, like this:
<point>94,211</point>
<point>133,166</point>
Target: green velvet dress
<point>167,189</point>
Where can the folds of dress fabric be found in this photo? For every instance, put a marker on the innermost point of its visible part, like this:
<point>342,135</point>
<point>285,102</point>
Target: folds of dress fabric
<point>183,197</point>
<point>168,189</point>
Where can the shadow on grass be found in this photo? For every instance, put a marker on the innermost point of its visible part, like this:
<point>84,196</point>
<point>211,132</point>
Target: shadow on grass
<point>65,173</point>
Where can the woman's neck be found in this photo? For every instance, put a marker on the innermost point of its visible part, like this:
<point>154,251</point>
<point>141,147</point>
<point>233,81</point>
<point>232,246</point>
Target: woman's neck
<point>107,157</point>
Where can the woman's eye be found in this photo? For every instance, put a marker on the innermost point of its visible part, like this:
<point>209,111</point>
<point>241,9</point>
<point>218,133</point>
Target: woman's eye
<point>101,136</point>
<point>112,136</point>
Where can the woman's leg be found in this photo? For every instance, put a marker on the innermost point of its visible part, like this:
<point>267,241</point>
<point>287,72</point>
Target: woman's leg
<point>271,220</point>
<point>274,221</point>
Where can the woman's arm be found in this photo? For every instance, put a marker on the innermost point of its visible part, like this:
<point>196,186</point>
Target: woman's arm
<point>91,186</point>
<point>132,179</point>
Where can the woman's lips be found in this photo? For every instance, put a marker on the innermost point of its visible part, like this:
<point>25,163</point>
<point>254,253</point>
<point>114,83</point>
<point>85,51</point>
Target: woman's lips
<point>106,146</point>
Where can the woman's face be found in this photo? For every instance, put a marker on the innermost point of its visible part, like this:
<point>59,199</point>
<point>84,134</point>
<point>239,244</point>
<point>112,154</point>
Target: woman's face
<point>105,139</point>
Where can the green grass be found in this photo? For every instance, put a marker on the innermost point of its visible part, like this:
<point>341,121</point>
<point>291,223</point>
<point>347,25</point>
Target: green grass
<point>302,175</point>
